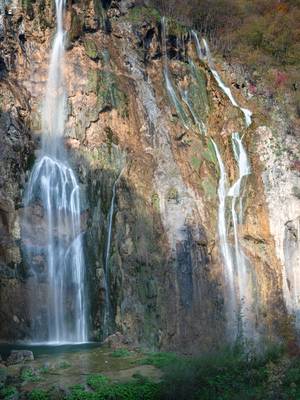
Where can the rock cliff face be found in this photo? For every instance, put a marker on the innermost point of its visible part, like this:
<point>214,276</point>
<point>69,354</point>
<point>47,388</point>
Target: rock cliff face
<point>138,155</point>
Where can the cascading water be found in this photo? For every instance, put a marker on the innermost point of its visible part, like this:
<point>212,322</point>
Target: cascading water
<point>236,274</point>
<point>57,240</point>
<point>225,248</point>
<point>204,54</point>
<point>236,192</point>
<point>169,86</point>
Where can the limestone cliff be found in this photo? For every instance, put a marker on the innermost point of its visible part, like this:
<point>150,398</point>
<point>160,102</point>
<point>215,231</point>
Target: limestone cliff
<point>166,276</point>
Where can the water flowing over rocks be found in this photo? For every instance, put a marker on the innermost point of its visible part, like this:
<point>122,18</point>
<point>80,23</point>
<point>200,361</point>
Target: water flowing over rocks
<point>150,175</point>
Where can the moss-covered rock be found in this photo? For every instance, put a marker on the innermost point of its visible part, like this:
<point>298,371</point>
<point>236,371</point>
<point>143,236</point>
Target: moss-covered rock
<point>76,26</point>
<point>91,49</point>
<point>137,15</point>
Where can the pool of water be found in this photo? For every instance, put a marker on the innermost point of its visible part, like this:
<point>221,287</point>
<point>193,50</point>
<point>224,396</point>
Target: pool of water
<point>40,350</point>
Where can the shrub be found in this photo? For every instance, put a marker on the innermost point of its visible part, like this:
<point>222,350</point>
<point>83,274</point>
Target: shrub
<point>96,382</point>
<point>29,375</point>
<point>38,394</point>
<point>8,393</point>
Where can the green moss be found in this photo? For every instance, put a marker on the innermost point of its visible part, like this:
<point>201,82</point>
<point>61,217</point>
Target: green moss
<point>64,364</point>
<point>195,163</point>
<point>175,28</point>
<point>76,26</point>
<point>159,360</point>
<point>109,94</point>
<point>210,154</point>
<point>209,187</point>
<point>120,353</point>
<point>104,84</point>
<point>155,202</point>
<point>172,194</point>
<point>100,13</point>
<point>137,15</point>
<point>197,93</point>
<point>91,49</point>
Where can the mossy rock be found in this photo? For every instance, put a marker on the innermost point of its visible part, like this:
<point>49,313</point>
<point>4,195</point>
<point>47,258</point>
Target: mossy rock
<point>174,28</point>
<point>138,15</point>
<point>110,94</point>
<point>197,93</point>
<point>91,49</point>
<point>100,13</point>
<point>195,163</point>
<point>76,26</point>
<point>173,194</point>
<point>210,154</point>
<point>155,202</point>
<point>209,188</point>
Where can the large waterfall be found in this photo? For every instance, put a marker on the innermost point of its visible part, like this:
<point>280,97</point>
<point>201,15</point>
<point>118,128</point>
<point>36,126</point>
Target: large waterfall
<point>57,238</point>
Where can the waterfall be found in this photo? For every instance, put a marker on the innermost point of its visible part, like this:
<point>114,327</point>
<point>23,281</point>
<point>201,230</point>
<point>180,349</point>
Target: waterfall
<point>54,194</point>
<point>224,245</point>
<point>201,126</point>
<point>169,86</point>
<point>236,192</point>
<point>108,315</point>
<point>204,54</point>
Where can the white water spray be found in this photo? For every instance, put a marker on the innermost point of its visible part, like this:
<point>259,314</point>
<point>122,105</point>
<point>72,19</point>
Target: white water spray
<point>53,187</point>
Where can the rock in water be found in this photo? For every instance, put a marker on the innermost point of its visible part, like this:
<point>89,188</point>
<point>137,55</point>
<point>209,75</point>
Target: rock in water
<point>19,356</point>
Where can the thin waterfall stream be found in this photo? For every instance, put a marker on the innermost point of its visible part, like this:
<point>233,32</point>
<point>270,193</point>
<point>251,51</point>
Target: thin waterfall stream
<point>169,86</point>
<point>204,54</point>
<point>227,258</point>
<point>237,277</point>
<point>108,313</point>
<point>54,193</point>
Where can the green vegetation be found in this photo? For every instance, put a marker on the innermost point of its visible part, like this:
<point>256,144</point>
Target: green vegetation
<point>159,360</point>
<point>91,49</point>
<point>139,389</point>
<point>38,394</point>
<point>64,364</point>
<point>29,375</point>
<point>261,35</point>
<point>231,374</point>
<point>96,382</point>
<point>195,163</point>
<point>8,393</point>
<point>120,353</point>
<point>138,15</point>
<point>209,187</point>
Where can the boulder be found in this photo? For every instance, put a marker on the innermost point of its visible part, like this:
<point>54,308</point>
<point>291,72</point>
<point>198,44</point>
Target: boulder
<point>117,341</point>
<point>19,356</point>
